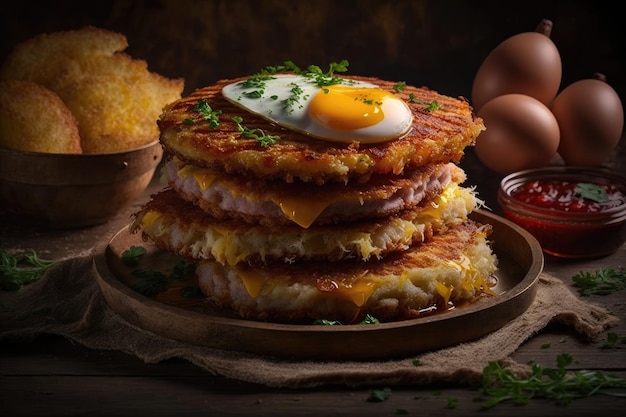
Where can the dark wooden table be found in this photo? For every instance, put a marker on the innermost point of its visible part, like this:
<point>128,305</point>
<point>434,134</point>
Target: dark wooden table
<point>55,377</point>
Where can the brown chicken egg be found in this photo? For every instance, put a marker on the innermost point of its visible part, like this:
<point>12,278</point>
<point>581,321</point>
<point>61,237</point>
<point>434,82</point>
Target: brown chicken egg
<point>527,63</point>
<point>591,120</point>
<point>521,133</point>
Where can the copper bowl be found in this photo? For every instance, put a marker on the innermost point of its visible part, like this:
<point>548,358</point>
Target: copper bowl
<point>74,190</point>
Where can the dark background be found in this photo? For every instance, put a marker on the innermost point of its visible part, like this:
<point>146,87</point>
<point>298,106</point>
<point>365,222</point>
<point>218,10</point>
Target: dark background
<point>435,43</point>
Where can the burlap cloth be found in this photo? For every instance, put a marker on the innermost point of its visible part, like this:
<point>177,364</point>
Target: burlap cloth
<point>67,301</point>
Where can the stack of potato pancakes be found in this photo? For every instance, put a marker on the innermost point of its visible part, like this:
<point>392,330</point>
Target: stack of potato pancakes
<point>305,196</point>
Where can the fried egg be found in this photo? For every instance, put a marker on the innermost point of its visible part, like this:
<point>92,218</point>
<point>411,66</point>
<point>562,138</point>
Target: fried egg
<point>344,112</point>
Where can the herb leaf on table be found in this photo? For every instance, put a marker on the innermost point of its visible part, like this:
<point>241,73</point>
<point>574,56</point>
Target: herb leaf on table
<point>18,271</point>
<point>601,282</point>
<point>560,385</point>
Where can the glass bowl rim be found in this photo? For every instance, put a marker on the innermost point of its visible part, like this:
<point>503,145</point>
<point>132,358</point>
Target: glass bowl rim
<point>512,180</point>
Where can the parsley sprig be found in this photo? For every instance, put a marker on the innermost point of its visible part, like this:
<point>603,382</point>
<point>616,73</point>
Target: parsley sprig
<point>294,97</point>
<point>430,105</point>
<point>312,73</point>
<point>325,79</point>
<point>560,385</point>
<point>612,340</point>
<point>19,271</point>
<point>258,134</point>
<point>151,282</point>
<point>132,255</point>
<point>591,192</point>
<point>399,86</point>
<point>208,114</point>
<point>368,319</point>
<point>601,282</point>
<point>379,395</point>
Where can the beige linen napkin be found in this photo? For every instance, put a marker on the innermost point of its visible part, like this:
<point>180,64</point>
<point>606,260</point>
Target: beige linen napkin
<point>67,301</point>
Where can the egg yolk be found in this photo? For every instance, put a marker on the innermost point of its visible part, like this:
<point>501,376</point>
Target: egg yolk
<point>348,108</point>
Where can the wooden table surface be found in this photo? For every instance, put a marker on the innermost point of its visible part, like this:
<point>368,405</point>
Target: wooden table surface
<point>55,377</point>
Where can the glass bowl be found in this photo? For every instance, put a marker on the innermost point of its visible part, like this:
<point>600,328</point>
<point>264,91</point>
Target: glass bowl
<point>574,212</point>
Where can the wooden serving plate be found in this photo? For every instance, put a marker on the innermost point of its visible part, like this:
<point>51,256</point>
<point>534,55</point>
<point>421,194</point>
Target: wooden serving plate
<point>520,264</point>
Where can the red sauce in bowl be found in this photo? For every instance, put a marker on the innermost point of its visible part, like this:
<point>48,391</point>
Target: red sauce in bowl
<point>565,196</point>
<point>572,212</point>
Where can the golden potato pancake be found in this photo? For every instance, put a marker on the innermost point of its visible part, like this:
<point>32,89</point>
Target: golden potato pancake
<point>115,98</point>
<point>439,134</point>
<point>50,58</point>
<point>453,268</point>
<point>276,202</point>
<point>181,227</point>
<point>33,118</point>
<point>117,106</point>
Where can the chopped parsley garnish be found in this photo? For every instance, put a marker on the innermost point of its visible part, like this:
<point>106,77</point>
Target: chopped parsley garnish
<point>19,271</point>
<point>452,402</point>
<point>324,79</point>
<point>182,271</point>
<point>312,73</point>
<point>399,86</point>
<point>430,106</point>
<point>294,98</point>
<point>208,114</point>
<point>254,94</point>
<point>191,291</point>
<point>256,81</point>
<point>325,322</point>
<point>369,319</point>
<point>368,101</point>
<point>379,395</point>
<point>258,134</point>
<point>150,282</point>
<point>591,192</point>
<point>132,255</point>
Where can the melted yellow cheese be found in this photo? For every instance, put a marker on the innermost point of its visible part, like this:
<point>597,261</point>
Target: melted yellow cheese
<point>443,291</point>
<point>303,210</point>
<point>438,204</point>
<point>148,219</point>
<point>472,281</point>
<point>203,177</point>
<point>253,281</point>
<point>358,293</point>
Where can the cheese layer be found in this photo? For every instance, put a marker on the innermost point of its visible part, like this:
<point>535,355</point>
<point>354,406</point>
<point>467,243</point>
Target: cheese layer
<point>176,225</point>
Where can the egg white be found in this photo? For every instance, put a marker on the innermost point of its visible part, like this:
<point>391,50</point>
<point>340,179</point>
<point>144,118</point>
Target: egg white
<point>284,99</point>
